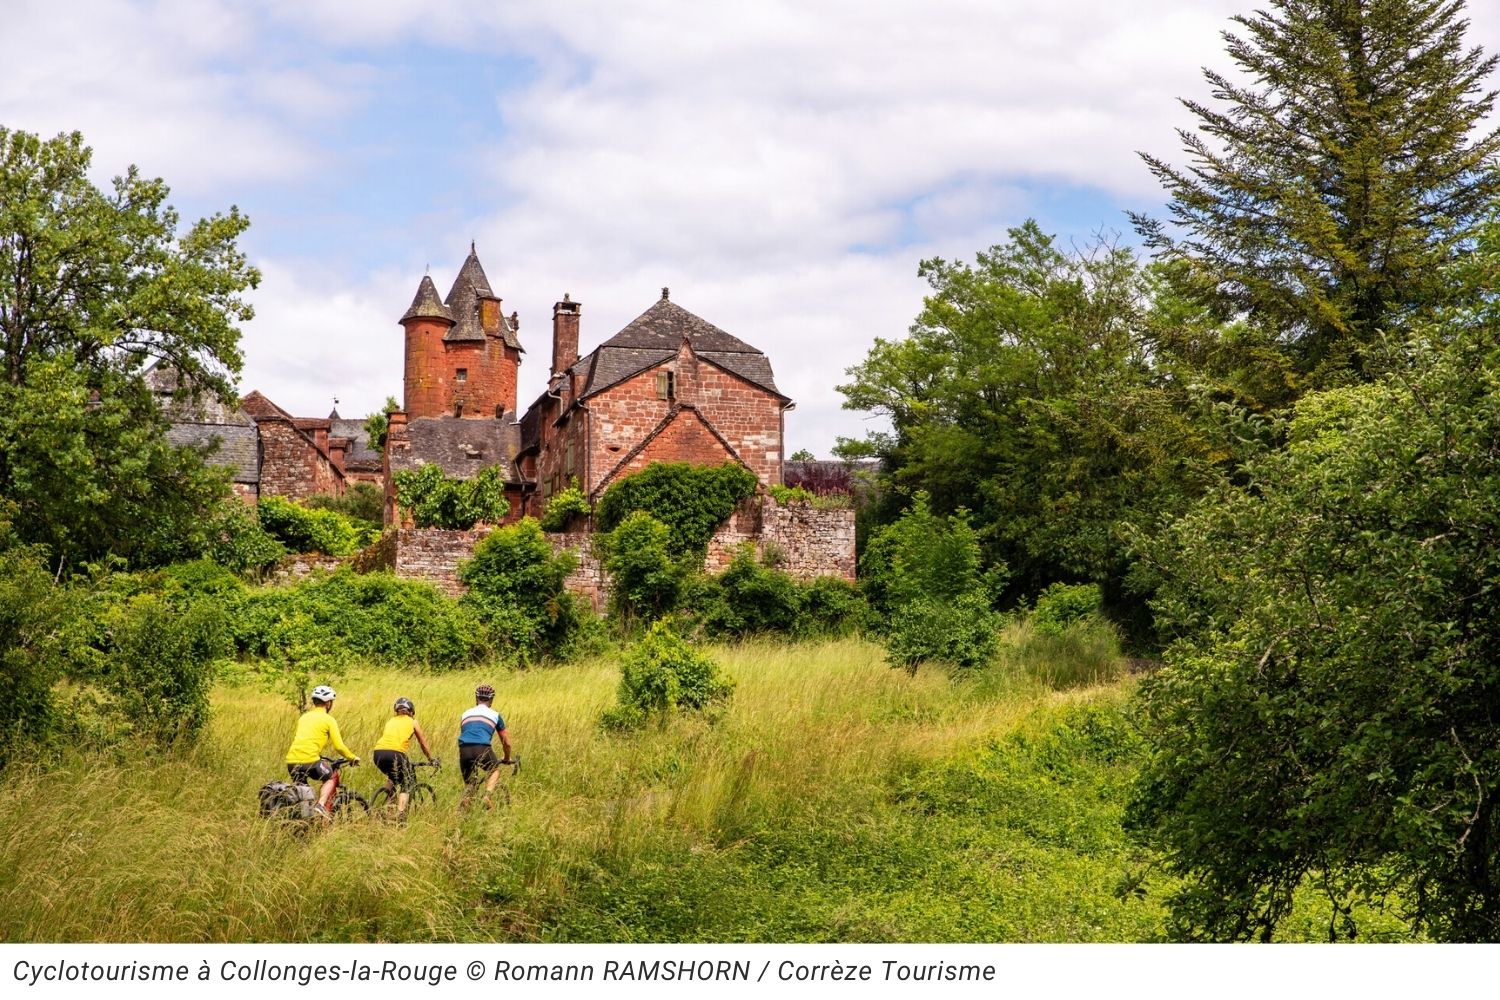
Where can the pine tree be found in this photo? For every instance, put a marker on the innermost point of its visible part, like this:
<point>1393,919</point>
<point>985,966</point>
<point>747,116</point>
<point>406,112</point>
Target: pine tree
<point>1324,194</point>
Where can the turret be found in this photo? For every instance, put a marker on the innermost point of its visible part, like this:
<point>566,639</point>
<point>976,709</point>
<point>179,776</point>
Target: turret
<point>427,322</point>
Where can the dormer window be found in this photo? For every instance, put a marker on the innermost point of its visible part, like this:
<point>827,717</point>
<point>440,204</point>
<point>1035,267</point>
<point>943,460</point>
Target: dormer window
<point>665,389</point>
<point>462,375</point>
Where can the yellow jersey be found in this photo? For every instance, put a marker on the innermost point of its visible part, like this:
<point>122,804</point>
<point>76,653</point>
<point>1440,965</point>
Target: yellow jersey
<point>315,728</point>
<point>397,735</point>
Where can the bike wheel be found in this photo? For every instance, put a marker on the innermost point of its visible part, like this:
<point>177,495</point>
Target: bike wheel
<point>423,795</point>
<point>382,799</point>
<point>350,805</point>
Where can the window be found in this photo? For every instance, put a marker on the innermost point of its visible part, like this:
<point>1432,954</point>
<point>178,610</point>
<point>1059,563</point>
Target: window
<point>664,385</point>
<point>462,375</point>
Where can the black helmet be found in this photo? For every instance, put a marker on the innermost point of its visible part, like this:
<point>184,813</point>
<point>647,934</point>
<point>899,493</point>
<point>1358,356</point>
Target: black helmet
<point>485,692</point>
<point>405,705</point>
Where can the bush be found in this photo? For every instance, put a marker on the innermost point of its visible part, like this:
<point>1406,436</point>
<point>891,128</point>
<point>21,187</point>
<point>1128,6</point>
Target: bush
<point>751,598</point>
<point>922,572</point>
<point>304,530</point>
<point>691,500</point>
<point>1063,605</point>
<point>38,617</point>
<point>564,506</point>
<point>663,673</point>
<point>921,554</point>
<point>361,501</point>
<point>644,578</point>
<point>960,633</point>
<point>515,585</point>
<point>160,666</point>
<point>799,496</point>
<point>435,501</point>
<point>238,542</point>
<point>346,617</point>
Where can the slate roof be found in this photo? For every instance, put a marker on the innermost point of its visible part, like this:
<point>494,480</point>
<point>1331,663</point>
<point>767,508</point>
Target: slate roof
<point>360,455</point>
<point>426,304</point>
<point>462,303</point>
<point>654,337</point>
<point>461,447</point>
<point>238,446</point>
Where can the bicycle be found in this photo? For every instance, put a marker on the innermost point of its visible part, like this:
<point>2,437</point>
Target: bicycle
<point>421,793</point>
<point>295,801</point>
<point>502,790</point>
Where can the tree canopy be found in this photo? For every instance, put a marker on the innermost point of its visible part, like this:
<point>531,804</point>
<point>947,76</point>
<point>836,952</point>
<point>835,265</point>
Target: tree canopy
<point>1029,391</point>
<point>1334,177</point>
<point>94,287</point>
<point>1327,715</point>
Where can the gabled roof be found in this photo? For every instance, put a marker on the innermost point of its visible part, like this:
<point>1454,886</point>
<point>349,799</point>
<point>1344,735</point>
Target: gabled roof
<point>460,447</point>
<point>359,456</point>
<point>462,303</point>
<point>426,304</point>
<point>655,336</point>
<point>234,445</point>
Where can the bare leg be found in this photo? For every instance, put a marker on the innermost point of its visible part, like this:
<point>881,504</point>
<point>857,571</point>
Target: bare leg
<point>402,798</point>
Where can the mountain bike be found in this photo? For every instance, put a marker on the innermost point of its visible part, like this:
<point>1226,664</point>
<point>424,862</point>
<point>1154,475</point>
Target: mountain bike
<point>421,794</point>
<point>295,801</point>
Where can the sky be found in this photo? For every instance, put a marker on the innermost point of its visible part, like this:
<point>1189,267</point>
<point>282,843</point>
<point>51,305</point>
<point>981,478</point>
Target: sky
<point>783,167</point>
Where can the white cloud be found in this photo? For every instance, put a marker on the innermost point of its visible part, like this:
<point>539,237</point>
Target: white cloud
<point>781,165</point>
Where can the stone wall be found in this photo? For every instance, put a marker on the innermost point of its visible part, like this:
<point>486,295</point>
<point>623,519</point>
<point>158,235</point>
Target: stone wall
<point>810,542</point>
<point>298,567</point>
<point>433,554</point>
<point>587,579</point>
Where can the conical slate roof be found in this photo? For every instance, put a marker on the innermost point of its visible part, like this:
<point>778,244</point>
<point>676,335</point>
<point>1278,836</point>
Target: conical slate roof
<point>426,304</point>
<point>468,289</point>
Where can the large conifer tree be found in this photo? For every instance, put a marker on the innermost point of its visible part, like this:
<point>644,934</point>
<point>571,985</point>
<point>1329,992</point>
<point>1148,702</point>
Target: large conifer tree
<point>1326,188</point>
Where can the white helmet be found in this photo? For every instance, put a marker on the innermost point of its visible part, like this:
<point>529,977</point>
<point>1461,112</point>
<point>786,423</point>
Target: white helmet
<point>322,693</point>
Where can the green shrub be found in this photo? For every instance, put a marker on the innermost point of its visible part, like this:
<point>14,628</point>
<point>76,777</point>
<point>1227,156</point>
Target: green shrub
<point>238,541</point>
<point>434,501</point>
<point>345,617</point>
<point>516,587</point>
<point>304,530</point>
<point>922,554</point>
<point>361,501</point>
<point>961,632</point>
<point>565,505</point>
<point>38,618</point>
<point>662,673</point>
<point>160,666</point>
<point>644,578</point>
<point>751,598</point>
<point>1062,605</point>
<point>797,496</point>
<point>691,500</point>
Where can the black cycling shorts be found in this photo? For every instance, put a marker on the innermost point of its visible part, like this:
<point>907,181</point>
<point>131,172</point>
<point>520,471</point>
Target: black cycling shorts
<point>317,771</point>
<point>397,766</point>
<point>476,756</point>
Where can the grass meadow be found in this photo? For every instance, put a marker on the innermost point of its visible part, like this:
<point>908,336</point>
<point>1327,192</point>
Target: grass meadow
<point>832,799</point>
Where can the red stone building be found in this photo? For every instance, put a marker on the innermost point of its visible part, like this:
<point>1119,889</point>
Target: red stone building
<point>669,387</point>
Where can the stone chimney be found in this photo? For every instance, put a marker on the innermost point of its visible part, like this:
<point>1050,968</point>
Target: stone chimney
<point>564,334</point>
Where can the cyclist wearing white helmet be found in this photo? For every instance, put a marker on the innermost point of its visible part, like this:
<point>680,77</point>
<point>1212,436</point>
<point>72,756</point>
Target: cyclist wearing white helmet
<point>390,753</point>
<point>316,727</point>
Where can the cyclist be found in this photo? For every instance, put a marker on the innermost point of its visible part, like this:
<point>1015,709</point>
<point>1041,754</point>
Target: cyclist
<point>476,755</point>
<point>390,753</point>
<point>304,757</point>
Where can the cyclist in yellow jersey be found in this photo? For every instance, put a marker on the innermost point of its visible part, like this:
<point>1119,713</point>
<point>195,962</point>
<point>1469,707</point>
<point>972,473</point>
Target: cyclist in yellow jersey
<point>315,728</point>
<point>390,753</point>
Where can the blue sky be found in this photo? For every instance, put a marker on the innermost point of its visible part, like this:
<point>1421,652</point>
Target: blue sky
<point>783,166</point>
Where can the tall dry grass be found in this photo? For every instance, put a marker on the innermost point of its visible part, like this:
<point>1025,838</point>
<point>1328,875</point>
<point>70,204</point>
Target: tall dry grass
<point>137,846</point>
